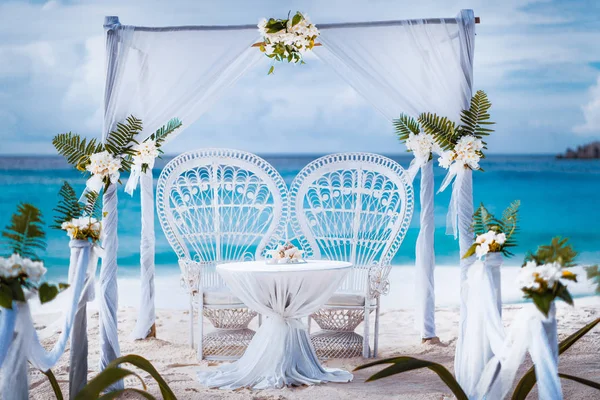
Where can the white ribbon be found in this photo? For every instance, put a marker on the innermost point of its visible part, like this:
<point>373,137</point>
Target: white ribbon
<point>7,329</point>
<point>415,165</point>
<point>134,177</point>
<point>455,171</point>
<point>484,332</point>
<point>530,332</point>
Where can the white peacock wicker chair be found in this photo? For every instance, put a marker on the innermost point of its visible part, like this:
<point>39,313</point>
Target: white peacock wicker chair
<point>216,206</point>
<point>352,207</point>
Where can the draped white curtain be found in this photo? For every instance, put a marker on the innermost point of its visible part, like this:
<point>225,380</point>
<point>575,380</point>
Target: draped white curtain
<point>156,75</point>
<point>410,67</point>
<point>160,73</point>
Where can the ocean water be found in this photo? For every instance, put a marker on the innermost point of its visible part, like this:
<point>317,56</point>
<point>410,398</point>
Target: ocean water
<point>558,197</point>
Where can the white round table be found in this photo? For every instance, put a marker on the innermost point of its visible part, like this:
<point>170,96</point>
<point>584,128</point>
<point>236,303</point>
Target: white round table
<point>281,353</point>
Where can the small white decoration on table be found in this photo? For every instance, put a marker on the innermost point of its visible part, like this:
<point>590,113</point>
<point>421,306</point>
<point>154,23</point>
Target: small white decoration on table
<point>285,254</point>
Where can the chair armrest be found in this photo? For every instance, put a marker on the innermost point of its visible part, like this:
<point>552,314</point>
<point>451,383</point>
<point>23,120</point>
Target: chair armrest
<point>379,282</point>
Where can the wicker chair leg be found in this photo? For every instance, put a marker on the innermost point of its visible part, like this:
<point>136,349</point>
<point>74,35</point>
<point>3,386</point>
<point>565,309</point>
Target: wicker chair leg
<point>308,321</point>
<point>191,321</point>
<point>366,333</point>
<point>376,338</point>
<point>200,354</point>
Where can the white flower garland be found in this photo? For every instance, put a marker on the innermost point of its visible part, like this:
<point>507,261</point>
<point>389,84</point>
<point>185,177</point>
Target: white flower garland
<point>83,228</point>
<point>466,152</point>
<point>532,276</point>
<point>104,168</point>
<point>489,242</point>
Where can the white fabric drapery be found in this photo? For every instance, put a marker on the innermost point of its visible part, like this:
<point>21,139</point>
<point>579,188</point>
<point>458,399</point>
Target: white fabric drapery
<point>281,352</point>
<point>484,332</point>
<point>399,66</point>
<point>157,75</point>
<point>25,346</point>
<point>531,332</point>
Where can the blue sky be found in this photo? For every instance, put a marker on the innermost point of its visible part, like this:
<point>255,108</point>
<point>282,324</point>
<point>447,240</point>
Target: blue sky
<point>538,60</point>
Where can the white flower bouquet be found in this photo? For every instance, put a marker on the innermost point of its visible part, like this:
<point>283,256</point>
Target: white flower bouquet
<point>285,254</point>
<point>83,228</point>
<point>545,274</point>
<point>22,270</point>
<point>494,235</point>
<point>467,152</point>
<point>287,39</point>
<point>80,221</point>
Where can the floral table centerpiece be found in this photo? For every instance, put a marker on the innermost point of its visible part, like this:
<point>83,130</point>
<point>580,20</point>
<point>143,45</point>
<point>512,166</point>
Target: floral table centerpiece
<point>285,254</point>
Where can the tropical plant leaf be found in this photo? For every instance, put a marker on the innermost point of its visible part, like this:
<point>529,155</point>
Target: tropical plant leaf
<point>528,380</point>
<point>403,364</point>
<point>145,365</point>
<point>405,125</point>
<point>75,149</point>
<point>557,251</point>
<point>593,274</point>
<point>68,206</point>
<point>482,220</point>
<point>47,292</point>
<point>54,384</point>
<point>117,393</point>
<point>25,233</point>
<point>102,381</point>
<point>583,381</point>
<point>6,297</point>
<point>442,129</point>
<point>163,132</point>
<point>476,116</point>
<point>93,205</point>
<point>120,141</point>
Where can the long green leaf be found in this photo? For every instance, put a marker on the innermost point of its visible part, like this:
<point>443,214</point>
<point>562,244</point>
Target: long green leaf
<point>103,381</point>
<point>528,380</point>
<point>145,365</point>
<point>583,381</point>
<point>54,384</point>
<point>117,393</point>
<point>403,364</point>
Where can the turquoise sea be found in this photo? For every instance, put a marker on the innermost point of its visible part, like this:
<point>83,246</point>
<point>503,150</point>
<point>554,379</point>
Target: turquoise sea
<point>558,197</point>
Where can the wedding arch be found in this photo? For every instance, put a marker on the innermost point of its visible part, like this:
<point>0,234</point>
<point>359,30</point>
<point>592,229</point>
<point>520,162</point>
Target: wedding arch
<point>156,73</point>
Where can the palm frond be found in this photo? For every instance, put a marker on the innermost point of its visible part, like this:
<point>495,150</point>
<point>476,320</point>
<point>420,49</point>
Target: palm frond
<point>163,132</point>
<point>93,205</point>
<point>75,149</point>
<point>482,220</point>
<point>405,125</point>
<point>441,128</point>
<point>68,206</point>
<point>510,222</point>
<point>477,117</point>
<point>120,141</point>
<point>557,251</point>
<point>25,233</point>
<point>593,274</point>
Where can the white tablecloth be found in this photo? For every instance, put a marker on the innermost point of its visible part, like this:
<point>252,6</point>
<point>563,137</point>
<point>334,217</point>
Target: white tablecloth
<point>281,352</point>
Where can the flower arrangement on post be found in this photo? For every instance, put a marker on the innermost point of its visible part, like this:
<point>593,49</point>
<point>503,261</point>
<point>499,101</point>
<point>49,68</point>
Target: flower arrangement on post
<point>493,235</point>
<point>104,162</point>
<point>544,275</point>
<point>285,254</point>
<point>80,221</point>
<point>421,144</point>
<point>462,147</point>
<point>287,39</point>
<point>145,153</point>
<point>23,269</point>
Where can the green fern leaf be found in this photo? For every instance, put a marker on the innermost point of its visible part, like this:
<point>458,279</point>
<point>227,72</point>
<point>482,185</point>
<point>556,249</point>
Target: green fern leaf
<point>93,205</point>
<point>476,115</point>
<point>120,141</point>
<point>75,149</point>
<point>442,129</point>
<point>68,206</point>
<point>25,233</point>
<point>405,125</point>
<point>162,133</point>
<point>557,251</point>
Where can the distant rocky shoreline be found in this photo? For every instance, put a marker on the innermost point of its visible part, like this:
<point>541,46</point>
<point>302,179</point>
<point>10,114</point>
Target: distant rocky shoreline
<point>585,152</point>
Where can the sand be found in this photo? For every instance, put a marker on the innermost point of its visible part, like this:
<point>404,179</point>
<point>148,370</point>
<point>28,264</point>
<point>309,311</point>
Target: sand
<point>177,362</point>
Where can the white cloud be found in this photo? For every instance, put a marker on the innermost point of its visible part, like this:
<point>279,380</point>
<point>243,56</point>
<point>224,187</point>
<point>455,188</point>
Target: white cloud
<point>591,112</point>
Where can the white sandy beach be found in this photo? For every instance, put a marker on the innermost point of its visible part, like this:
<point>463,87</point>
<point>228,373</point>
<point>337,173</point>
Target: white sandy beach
<point>174,359</point>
